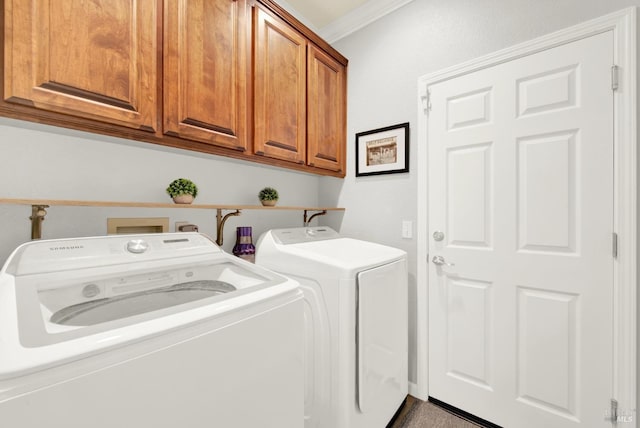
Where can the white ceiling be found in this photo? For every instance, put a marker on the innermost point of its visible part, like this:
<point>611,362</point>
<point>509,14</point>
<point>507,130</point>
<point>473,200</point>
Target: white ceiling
<point>334,19</point>
<point>323,12</point>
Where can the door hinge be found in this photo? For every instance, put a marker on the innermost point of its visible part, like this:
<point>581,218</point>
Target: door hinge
<point>614,411</point>
<point>614,245</point>
<point>425,97</point>
<point>615,71</point>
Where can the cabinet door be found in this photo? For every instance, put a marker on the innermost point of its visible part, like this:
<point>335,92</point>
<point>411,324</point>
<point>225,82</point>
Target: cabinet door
<point>205,71</point>
<point>326,111</point>
<point>94,59</point>
<point>280,89</point>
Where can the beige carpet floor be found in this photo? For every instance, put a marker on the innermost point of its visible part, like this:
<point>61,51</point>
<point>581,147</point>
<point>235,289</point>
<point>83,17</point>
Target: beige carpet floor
<point>422,414</point>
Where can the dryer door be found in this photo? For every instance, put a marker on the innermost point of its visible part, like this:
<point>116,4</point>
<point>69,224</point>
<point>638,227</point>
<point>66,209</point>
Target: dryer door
<point>382,338</point>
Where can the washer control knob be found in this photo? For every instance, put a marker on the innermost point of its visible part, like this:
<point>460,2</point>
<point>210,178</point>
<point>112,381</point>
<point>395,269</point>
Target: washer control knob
<point>90,290</point>
<point>137,246</point>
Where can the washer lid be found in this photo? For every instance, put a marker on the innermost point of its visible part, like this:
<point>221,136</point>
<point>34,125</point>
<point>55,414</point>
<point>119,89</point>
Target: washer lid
<point>63,300</point>
<point>347,253</point>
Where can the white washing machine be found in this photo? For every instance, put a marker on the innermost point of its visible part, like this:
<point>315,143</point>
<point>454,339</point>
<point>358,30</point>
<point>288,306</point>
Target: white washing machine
<point>147,331</point>
<point>356,322</point>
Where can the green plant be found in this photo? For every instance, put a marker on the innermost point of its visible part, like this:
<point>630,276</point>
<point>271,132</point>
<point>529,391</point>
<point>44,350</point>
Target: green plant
<point>268,194</point>
<point>182,186</point>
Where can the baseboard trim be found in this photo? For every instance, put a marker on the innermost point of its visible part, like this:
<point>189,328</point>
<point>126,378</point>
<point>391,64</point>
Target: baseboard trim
<point>402,411</point>
<point>417,391</point>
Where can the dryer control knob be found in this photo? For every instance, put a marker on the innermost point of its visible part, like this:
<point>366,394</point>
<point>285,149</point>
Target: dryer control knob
<point>137,246</point>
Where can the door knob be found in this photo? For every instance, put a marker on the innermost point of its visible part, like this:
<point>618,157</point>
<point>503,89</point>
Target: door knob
<point>440,261</point>
<point>438,235</point>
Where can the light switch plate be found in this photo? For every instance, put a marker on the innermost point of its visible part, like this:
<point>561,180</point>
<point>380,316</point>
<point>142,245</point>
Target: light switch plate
<point>407,229</point>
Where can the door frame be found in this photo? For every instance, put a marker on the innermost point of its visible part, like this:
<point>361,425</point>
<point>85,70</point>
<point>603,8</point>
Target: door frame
<point>623,26</point>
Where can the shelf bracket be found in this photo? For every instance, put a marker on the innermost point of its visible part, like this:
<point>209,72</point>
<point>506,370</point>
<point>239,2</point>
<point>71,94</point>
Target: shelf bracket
<point>38,213</point>
<point>307,221</point>
<point>220,221</point>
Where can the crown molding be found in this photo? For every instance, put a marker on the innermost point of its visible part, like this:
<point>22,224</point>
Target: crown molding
<point>297,15</point>
<point>358,18</point>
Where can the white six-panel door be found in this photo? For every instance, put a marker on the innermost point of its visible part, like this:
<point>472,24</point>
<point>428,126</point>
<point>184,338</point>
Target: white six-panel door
<point>521,189</point>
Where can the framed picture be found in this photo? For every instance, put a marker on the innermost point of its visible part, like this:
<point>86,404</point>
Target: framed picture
<point>383,151</point>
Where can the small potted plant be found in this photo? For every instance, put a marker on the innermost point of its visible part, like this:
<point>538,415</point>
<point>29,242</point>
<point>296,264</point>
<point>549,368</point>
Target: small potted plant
<point>268,196</point>
<point>182,191</point>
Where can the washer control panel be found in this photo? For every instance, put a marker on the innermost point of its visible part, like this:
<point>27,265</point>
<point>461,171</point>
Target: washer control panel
<point>80,253</point>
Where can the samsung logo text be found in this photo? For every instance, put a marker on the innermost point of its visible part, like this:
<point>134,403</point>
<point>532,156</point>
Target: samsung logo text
<point>70,247</point>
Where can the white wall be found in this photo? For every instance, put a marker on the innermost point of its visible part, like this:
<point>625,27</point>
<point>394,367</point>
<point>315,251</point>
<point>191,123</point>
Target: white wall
<point>385,61</point>
<point>46,162</point>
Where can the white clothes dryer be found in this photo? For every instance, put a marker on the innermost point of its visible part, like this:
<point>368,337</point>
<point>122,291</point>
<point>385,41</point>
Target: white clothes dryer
<point>147,331</point>
<point>356,323</point>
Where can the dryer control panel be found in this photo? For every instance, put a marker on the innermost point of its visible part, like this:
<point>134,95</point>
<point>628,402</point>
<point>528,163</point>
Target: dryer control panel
<point>298,235</point>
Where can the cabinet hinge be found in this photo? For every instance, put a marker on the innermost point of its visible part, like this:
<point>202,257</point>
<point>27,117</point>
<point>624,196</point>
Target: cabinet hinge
<point>614,245</point>
<point>615,71</point>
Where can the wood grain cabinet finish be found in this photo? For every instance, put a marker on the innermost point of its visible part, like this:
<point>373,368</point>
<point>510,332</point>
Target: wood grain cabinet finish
<point>326,111</point>
<point>299,97</point>
<point>279,89</point>
<point>236,78</point>
<point>206,59</point>
<point>93,59</point>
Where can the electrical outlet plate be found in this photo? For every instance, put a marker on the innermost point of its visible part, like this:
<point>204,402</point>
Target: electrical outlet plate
<point>180,223</point>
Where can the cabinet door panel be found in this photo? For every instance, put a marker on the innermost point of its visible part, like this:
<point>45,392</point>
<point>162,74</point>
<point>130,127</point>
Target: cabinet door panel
<point>94,59</point>
<point>205,71</point>
<point>280,89</point>
<point>326,111</point>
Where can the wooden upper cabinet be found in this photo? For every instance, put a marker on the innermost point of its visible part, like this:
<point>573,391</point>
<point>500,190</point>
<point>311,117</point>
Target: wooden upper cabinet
<point>206,55</point>
<point>94,59</point>
<point>279,89</point>
<point>236,78</point>
<point>326,111</point>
